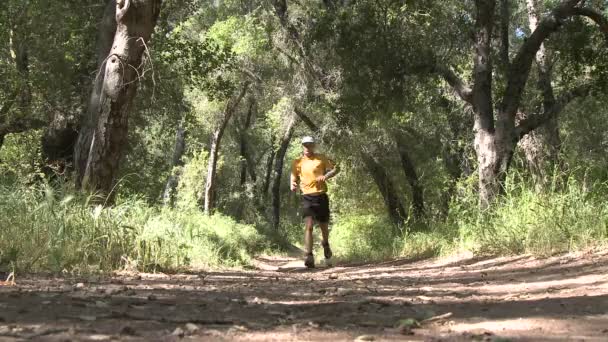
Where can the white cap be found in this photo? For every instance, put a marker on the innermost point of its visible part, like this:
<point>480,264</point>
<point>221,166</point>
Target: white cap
<point>308,140</point>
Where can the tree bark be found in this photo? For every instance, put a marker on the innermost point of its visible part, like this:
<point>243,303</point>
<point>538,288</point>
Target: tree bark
<point>103,135</point>
<point>487,145</point>
<point>214,150</point>
<point>412,177</point>
<point>278,171</point>
<point>177,164</point>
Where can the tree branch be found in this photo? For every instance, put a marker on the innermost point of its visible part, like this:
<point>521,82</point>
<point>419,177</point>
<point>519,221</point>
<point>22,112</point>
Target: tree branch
<point>462,89</point>
<point>21,125</point>
<point>307,121</point>
<point>520,68</point>
<point>534,121</point>
<point>596,16</point>
<point>122,7</point>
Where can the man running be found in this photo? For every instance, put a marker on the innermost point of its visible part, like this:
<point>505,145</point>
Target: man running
<point>312,171</point>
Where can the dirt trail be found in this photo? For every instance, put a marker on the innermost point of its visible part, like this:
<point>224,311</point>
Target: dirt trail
<point>501,299</point>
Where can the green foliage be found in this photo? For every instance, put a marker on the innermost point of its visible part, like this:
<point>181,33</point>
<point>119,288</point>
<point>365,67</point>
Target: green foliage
<point>192,181</point>
<point>525,221</point>
<point>531,221</point>
<point>20,158</point>
<point>204,63</point>
<point>363,238</point>
<point>49,229</point>
<point>244,35</point>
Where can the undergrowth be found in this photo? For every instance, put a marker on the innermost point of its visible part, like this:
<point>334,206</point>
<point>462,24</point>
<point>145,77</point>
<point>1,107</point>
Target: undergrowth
<point>565,218</point>
<point>47,229</point>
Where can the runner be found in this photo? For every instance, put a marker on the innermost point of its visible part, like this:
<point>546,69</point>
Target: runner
<point>312,171</point>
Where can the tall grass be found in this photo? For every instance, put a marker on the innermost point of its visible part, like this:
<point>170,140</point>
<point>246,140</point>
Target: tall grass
<point>44,228</point>
<point>48,229</point>
<point>569,217</point>
<point>542,222</point>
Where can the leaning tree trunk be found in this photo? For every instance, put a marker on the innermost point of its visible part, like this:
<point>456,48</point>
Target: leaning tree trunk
<point>395,209</point>
<point>412,178</point>
<point>278,172</point>
<point>103,136</point>
<point>214,150</point>
<point>177,164</point>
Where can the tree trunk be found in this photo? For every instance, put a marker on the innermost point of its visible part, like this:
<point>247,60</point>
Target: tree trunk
<point>89,119</point>
<point>214,150</point>
<point>387,189</point>
<point>177,164</point>
<point>486,142</point>
<point>412,178</point>
<point>103,137</point>
<point>247,164</point>
<point>278,172</point>
<point>541,147</point>
<point>268,175</point>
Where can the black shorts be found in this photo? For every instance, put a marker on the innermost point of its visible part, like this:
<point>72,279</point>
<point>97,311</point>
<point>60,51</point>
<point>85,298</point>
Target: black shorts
<point>316,206</point>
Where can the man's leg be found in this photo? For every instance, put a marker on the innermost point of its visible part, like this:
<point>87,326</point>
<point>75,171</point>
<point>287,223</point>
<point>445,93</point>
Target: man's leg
<point>325,232</point>
<point>309,224</point>
<point>324,215</point>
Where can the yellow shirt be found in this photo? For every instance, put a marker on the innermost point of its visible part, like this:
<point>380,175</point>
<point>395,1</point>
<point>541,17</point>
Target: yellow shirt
<point>307,169</point>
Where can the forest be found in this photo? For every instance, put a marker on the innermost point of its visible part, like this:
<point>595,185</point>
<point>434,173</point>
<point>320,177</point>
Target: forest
<point>157,137</point>
<point>161,133</point>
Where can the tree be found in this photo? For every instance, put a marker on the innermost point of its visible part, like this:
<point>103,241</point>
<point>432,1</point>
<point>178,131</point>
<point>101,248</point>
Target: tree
<point>279,160</point>
<point>123,36</point>
<point>216,139</point>
<point>496,129</point>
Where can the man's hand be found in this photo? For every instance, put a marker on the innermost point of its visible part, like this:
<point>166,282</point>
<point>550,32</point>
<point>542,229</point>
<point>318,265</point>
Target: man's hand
<point>294,186</point>
<point>321,179</point>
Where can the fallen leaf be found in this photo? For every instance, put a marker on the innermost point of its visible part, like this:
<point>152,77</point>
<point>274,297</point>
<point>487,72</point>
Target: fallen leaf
<point>191,328</point>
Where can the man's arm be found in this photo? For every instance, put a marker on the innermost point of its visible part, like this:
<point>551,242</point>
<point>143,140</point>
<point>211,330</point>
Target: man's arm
<point>333,171</point>
<point>293,179</point>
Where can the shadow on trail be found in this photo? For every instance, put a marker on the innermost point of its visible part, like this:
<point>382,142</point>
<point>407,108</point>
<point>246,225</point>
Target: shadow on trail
<point>363,299</point>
